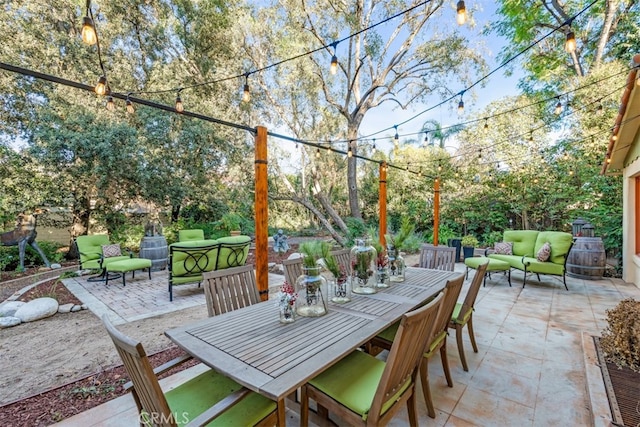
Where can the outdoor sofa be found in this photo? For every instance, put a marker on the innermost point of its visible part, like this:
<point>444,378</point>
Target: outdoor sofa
<point>189,259</point>
<point>526,246</point>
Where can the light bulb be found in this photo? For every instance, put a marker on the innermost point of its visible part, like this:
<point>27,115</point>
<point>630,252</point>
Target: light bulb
<point>88,31</point>
<point>110,104</point>
<point>349,153</point>
<point>486,125</point>
<point>317,153</point>
<point>570,44</point>
<point>333,69</point>
<point>461,15</point>
<point>246,96</point>
<point>558,108</point>
<point>130,108</point>
<point>179,105</point>
<point>461,107</point>
<point>101,86</point>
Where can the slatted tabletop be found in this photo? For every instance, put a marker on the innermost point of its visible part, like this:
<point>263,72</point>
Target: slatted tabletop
<point>251,346</point>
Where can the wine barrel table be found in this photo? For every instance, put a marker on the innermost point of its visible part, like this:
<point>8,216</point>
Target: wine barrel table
<point>587,258</point>
<point>155,248</point>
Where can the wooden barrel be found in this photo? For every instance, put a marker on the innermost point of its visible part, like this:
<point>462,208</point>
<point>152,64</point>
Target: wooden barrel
<point>155,248</point>
<point>587,258</point>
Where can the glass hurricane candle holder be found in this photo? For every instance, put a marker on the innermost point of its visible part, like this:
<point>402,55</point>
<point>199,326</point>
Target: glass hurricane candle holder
<point>396,265</point>
<point>363,268</point>
<point>312,293</point>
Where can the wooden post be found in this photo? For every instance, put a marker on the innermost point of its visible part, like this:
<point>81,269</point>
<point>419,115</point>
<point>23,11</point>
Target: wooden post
<point>383,203</point>
<point>436,210</point>
<point>261,213</point>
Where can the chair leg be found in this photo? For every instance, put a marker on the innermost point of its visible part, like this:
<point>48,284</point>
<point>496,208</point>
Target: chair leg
<point>445,363</point>
<point>411,408</point>
<point>124,278</point>
<point>467,273</point>
<point>149,273</point>
<point>426,390</point>
<point>461,348</point>
<point>564,279</point>
<point>304,406</point>
<point>106,280</point>
<point>509,276</point>
<point>524,279</point>
<point>472,336</point>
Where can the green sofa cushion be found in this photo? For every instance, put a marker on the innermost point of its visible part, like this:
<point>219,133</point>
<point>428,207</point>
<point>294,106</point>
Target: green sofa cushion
<point>353,381</point>
<point>202,392</point>
<point>188,235</point>
<point>185,267</point>
<point>523,241</point>
<point>560,243</point>
<point>90,249</point>
<point>514,261</point>
<point>234,251</point>
<point>535,266</point>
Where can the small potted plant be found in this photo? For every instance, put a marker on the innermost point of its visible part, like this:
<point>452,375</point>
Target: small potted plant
<point>285,301</point>
<point>395,244</point>
<point>469,242</point>
<point>339,286</point>
<point>311,286</point>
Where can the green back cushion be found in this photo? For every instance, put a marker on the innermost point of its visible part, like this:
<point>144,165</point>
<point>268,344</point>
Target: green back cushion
<point>187,235</point>
<point>560,243</point>
<point>192,258</point>
<point>523,241</point>
<point>90,247</point>
<point>233,251</point>
<point>202,392</point>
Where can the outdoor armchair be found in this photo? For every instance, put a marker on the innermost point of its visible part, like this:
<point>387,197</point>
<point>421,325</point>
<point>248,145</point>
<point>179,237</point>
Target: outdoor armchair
<point>96,252</point>
<point>207,399</point>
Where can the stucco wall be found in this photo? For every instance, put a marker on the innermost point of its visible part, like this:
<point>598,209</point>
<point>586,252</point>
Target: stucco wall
<point>630,261</point>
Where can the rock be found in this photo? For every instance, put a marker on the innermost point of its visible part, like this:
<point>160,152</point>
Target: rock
<point>54,266</point>
<point>271,265</point>
<point>9,308</point>
<point>295,255</point>
<point>8,321</point>
<point>38,308</point>
<point>84,307</point>
<point>76,308</point>
<point>65,308</point>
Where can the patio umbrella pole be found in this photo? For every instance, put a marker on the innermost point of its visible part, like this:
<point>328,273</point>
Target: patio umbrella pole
<point>436,210</point>
<point>383,203</point>
<point>261,214</point>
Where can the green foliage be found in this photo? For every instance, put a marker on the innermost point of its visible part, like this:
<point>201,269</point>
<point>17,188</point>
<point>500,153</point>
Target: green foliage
<point>356,230</point>
<point>398,239</point>
<point>230,221</point>
<point>621,339</point>
<point>491,238</point>
<point>312,251</point>
<point>10,255</point>
<point>469,241</point>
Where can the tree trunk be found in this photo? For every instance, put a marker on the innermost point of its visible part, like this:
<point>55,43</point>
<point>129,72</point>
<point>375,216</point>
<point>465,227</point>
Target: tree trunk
<point>79,227</point>
<point>175,213</point>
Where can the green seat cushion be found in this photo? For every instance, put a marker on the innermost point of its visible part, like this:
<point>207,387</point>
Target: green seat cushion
<point>202,392</point>
<point>353,382</point>
<point>523,241</point>
<point>90,249</point>
<point>535,266</point>
<point>514,261</point>
<point>234,251</point>
<point>436,343</point>
<point>190,259</point>
<point>389,334</point>
<point>456,314</point>
<point>188,235</point>
<point>129,264</point>
<point>494,264</point>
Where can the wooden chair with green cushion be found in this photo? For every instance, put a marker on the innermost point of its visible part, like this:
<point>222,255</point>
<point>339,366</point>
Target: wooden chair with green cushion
<point>190,235</point>
<point>208,399</point>
<point>230,289</point>
<point>364,390</point>
<point>438,341</point>
<point>292,270</point>
<point>463,313</point>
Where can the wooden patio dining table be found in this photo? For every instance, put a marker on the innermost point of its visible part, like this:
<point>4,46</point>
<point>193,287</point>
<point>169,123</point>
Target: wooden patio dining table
<point>251,346</point>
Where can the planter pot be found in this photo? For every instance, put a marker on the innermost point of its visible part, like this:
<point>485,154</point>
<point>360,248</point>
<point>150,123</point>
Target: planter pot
<point>456,243</point>
<point>467,251</point>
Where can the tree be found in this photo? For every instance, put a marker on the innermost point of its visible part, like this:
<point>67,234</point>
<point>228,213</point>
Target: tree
<point>410,62</point>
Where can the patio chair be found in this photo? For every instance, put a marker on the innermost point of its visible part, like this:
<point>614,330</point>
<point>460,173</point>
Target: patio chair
<point>292,270</point>
<point>437,341</point>
<point>208,398</point>
<point>190,235</point>
<point>230,289</point>
<point>463,313</point>
<point>96,252</point>
<point>438,257</point>
<point>364,390</point>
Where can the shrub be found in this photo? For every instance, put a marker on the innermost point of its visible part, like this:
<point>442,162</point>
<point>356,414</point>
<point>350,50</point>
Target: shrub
<point>469,241</point>
<point>621,338</point>
<point>10,255</point>
<point>490,239</point>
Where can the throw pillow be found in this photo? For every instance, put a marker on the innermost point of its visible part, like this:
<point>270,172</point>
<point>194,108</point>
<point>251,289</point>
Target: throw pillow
<point>503,248</point>
<point>544,252</point>
<point>109,251</point>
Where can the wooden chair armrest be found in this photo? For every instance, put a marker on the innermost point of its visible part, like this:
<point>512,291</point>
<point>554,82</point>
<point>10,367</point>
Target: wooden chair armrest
<point>164,367</point>
<point>219,408</point>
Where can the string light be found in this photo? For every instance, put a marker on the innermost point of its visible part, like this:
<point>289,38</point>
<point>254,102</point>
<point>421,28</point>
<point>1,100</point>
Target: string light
<point>558,108</point>
<point>570,44</point>
<point>129,105</point>
<point>426,138</point>
<point>396,138</point>
<point>349,153</point>
<point>566,156</point>
<point>570,172</point>
<point>486,124</point>
<point>111,106</point>
<point>179,105</point>
<point>531,136</point>
<point>461,13</point>
<point>317,153</point>
<point>101,86</point>
<point>374,143</point>
<point>246,95</point>
<point>333,69</point>
<point>88,30</point>
<point>461,105</point>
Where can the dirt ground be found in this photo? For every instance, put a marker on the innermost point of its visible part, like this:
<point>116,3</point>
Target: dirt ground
<point>40,355</point>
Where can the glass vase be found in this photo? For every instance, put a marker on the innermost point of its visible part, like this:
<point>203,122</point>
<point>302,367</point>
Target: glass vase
<point>287,313</point>
<point>363,268</point>
<point>312,293</point>
<point>340,290</point>
<point>382,277</point>
<point>396,265</point>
